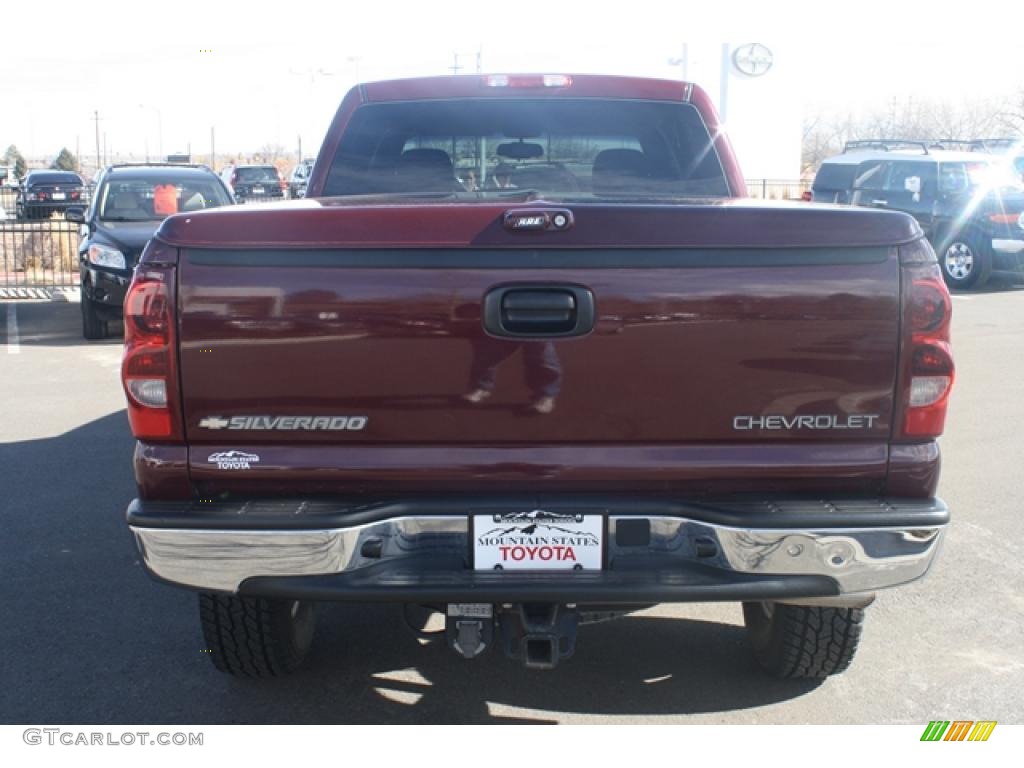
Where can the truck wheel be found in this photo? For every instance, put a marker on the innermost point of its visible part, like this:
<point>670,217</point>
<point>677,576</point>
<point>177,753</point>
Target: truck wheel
<point>802,641</point>
<point>965,262</point>
<point>93,326</point>
<point>254,637</point>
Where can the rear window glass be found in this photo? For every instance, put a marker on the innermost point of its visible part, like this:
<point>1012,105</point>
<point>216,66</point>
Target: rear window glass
<point>871,175</point>
<point>152,199</point>
<point>55,178</point>
<point>567,147</point>
<point>256,174</point>
<point>835,176</point>
<point>998,174</point>
<point>916,178</point>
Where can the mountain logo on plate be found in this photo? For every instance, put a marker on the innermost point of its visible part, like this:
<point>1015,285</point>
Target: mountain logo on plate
<point>529,522</point>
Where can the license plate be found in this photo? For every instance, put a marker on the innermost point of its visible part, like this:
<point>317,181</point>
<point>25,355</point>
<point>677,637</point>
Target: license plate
<point>538,541</point>
<point>257,190</point>
<point>471,610</point>
<point>59,195</point>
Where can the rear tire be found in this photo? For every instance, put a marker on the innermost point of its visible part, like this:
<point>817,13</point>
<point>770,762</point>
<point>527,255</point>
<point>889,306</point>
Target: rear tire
<point>93,326</point>
<point>802,641</point>
<point>255,637</point>
<point>965,261</point>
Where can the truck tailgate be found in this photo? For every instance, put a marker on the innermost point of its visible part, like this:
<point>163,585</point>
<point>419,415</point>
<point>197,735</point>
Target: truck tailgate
<point>351,365</point>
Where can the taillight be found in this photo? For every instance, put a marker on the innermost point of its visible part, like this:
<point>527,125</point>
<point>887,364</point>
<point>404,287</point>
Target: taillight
<point>1007,218</point>
<point>928,370</point>
<point>148,369</point>
<point>234,178</point>
<point>807,196</point>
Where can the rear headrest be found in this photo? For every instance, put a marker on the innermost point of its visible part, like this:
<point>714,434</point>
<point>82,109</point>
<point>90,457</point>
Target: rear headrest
<point>426,170</point>
<point>434,159</point>
<point>191,201</point>
<point>124,201</point>
<point>617,170</point>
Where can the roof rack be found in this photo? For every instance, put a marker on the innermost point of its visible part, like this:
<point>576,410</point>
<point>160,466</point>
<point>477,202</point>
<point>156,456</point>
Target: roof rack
<point>971,144</point>
<point>159,164</point>
<point>887,145</point>
<point>983,145</point>
<point>988,145</point>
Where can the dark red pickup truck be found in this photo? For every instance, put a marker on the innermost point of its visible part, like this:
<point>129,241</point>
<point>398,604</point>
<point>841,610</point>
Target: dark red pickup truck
<point>522,357</point>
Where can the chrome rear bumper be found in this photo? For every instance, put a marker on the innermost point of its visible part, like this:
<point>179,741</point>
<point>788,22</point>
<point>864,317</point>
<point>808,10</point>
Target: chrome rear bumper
<point>682,554</point>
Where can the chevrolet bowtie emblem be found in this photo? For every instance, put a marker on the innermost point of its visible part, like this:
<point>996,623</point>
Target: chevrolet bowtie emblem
<point>213,422</point>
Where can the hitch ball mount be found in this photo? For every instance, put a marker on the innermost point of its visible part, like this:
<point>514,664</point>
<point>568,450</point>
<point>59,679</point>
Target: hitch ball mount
<point>539,635</point>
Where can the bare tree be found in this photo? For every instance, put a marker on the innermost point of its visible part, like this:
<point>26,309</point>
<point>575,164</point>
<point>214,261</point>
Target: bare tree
<point>824,136</point>
<point>910,118</point>
<point>271,152</point>
<point>1010,119</point>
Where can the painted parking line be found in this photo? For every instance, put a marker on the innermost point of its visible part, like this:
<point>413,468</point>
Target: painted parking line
<point>13,339</point>
<point>26,293</point>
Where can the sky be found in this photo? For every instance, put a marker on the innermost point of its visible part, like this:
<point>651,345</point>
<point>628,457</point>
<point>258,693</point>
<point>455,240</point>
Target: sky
<point>258,73</point>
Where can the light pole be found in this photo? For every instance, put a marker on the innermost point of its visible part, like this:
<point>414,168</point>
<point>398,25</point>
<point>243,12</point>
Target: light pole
<point>723,84</point>
<point>159,129</point>
<point>354,61</point>
<point>316,75</point>
<point>99,158</point>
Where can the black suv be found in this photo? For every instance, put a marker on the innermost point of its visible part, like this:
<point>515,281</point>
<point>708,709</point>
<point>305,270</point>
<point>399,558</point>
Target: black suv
<point>45,192</point>
<point>969,204</point>
<point>254,182</point>
<point>129,203</point>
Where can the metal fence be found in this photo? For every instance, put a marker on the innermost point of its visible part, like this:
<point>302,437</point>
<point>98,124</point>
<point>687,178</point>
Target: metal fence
<point>36,256</point>
<point>255,200</point>
<point>777,189</point>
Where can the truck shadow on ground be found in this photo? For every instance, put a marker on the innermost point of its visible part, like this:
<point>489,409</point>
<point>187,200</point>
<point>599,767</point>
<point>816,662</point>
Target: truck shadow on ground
<point>89,638</point>
<point>635,666</point>
<point>53,324</point>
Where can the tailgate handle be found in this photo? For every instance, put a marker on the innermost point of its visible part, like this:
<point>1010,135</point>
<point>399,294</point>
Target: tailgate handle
<point>538,311</point>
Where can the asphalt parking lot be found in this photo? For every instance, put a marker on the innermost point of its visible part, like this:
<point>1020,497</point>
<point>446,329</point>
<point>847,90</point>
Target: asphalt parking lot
<point>87,637</point>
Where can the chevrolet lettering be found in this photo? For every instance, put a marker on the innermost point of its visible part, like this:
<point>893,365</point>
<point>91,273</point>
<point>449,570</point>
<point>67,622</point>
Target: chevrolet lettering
<point>822,421</point>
